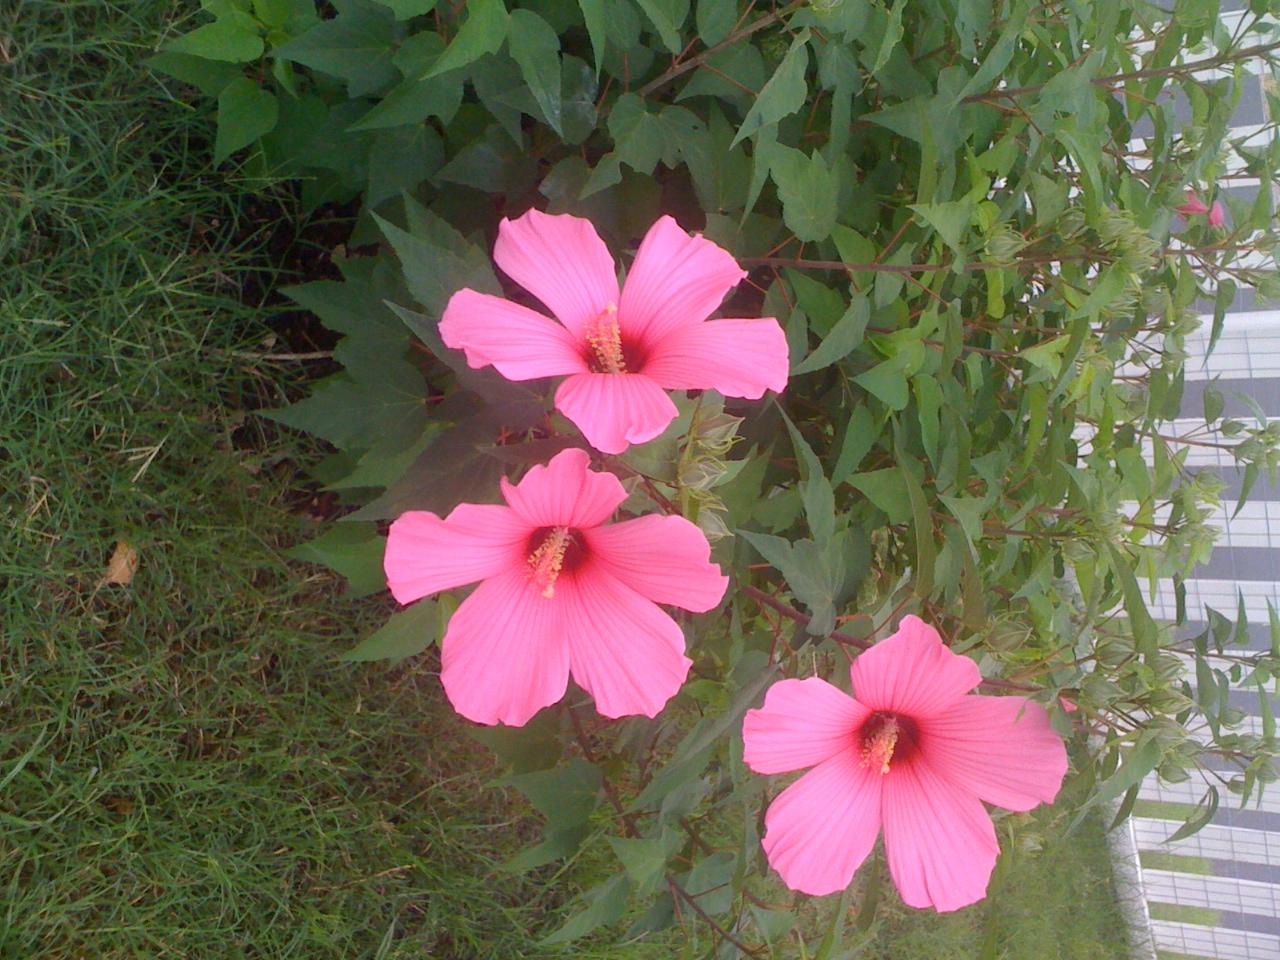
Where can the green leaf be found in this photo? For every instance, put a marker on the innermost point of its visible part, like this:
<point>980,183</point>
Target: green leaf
<point>929,405</point>
<point>950,219</point>
<point>406,633</point>
<point>711,882</point>
<point>783,95</point>
<point>535,746</point>
<point>233,37</point>
<point>892,36</point>
<point>484,32</point>
<point>859,436</point>
<point>884,489</point>
<point>535,46</point>
<point>350,414</point>
<point>1135,606</point>
<point>969,511</point>
<point>922,521</point>
<point>595,16</point>
<point>1204,813</point>
<point>1136,764</point>
<point>412,101</point>
<point>809,193</point>
<point>352,549</point>
<point>668,16</point>
<point>815,573</point>
<point>404,9</point>
<point>815,489</point>
<point>605,904</point>
<point>1047,355</point>
<point>566,795</point>
<point>434,271</point>
<point>245,113</point>
<point>844,337</point>
<point>887,383</point>
<point>210,77</point>
<point>715,18</point>
<point>645,859</point>
<point>773,925</point>
<point>400,159</point>
<point>356,46</point>
<point>1222,299</point>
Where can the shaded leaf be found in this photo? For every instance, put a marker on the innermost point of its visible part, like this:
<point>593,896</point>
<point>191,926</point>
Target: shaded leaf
<point>406,633</point>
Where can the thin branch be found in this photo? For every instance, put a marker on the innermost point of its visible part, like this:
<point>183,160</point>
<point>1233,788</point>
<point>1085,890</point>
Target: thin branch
<point>682,68</point>
<point>1147,74</point>
<point>688,898</point>
<point>791,613</point>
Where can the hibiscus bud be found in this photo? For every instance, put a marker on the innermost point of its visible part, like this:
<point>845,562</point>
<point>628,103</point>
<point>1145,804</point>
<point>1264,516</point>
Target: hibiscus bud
<point>1217,216</point>
<point>1004,244</point>
<point>1193,207</point>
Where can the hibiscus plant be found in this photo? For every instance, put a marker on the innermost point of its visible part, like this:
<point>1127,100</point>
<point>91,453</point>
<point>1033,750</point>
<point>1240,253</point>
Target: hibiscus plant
<point>793,381</point>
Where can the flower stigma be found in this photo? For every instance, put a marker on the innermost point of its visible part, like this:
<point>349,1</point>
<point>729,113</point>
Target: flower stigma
<point>605,338</point>
<point>877,750</point>
<point>548,560</point>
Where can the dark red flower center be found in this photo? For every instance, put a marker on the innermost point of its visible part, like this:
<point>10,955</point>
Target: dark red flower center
<point>607,350</point>
<point>885,739</point>
<point>550,552</point>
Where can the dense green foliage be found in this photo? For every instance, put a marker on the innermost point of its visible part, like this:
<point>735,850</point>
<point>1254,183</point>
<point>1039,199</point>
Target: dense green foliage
<point>941,203</point>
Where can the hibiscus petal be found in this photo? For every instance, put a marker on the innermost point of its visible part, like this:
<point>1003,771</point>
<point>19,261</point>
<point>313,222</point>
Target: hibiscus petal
<point>666,559</point>
<point>562,261</point>
<point>425,554</point>
<point>623,650</point>
<point>912,672</point>
<point>939,841</point>
<point>564,493</point>
<point>739,358</point>
<point>802,723</point>
<point>820,829</point>
<point>503,657</point>
<point>1000,748</point>
<point>677,279</point>
<point>1193,206</point>
<point>520,343</point>
<point>615,410</point>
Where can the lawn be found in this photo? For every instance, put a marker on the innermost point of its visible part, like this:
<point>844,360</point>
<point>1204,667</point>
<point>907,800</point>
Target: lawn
<point>186,768</point>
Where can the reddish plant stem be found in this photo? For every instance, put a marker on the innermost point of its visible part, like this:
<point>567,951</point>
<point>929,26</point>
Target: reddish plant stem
<point>791,613</point>
<point>681,68</point>
<point>680,893</point>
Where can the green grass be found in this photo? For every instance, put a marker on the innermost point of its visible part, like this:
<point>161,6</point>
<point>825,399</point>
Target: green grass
<point>1155,860</point>
<point>185,768</point>
<point>1181,913</point>
<point>1164,810</point>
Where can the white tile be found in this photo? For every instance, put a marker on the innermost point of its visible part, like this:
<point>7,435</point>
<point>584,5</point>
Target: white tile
<point>1215,942</point>
<point>1216,893</point>
<point>1213,842</point>
<point>1192,789</point>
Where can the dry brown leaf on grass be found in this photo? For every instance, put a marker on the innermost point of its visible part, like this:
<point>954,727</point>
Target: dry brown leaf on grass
<point>122,565</point>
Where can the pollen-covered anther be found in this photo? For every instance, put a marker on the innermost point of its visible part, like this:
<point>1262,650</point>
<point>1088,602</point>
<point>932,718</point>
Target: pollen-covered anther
<point>605,339</point>
<point>548,559</point>
<point>877,750</point>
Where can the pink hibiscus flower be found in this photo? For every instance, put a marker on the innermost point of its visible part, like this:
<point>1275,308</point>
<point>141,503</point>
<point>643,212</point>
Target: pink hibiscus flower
<point>1217,215</point>
<point>909,752</point>
<point>619,351</point>
<point>560,592</point>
